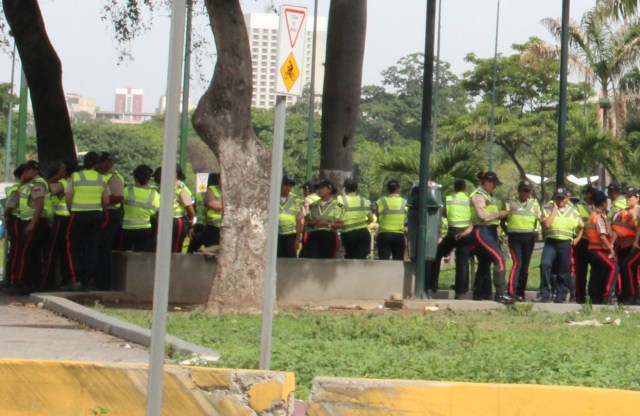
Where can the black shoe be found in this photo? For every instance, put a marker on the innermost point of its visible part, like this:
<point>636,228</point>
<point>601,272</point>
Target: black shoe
<point>457,296</point>
<point>505,299</point>
<point>542,299</point>
<point>72,287</point>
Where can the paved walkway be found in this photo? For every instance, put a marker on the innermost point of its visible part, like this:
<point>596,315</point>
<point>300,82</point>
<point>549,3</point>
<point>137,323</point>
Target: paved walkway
<point>32,332</point>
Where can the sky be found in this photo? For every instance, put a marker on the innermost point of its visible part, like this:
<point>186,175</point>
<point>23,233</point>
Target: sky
<point>395,28</point>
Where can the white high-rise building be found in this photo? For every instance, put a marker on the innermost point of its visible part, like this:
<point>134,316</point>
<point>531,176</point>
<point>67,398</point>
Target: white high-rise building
<point>263,38</point>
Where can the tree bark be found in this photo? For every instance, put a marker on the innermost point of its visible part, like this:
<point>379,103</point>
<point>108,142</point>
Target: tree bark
<point>43,70</point>
<point>342,83</point>
<point>223,120</point>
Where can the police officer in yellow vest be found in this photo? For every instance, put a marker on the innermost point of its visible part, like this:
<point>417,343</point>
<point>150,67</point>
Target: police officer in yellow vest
<point>87,197</point>
<point>12,224</point>
<point>458,214</point>
<point>141,202</point>
<point>562,228</point>
<point>522,229</point>
<point>581,250</point>
<point>310,195</point>
<point>184,213</point>
<point>356,238</point>
<point>213,204</point>
<point>392,215</point>
<point>325,216</point>
<point>485,217</point>
<point>57,252</point>
<point>289,225</point>
<point>32,229</point>
<point>112,225</point>
<point>618,199</point>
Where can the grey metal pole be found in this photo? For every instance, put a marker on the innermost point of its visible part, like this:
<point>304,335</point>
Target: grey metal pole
<point>167,186</point>
<point>7,156</point>
<point>269,292</point>
<point>601,170</point>
<point>22,118</point>
<point>436,87</point>
<point>425,148</point>
<point>562,113</point>
<point>492,118</point>
<point>312,94</point>
<point>184,124</point>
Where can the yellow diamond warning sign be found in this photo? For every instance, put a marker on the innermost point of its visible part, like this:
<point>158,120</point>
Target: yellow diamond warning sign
<point>290,71</point>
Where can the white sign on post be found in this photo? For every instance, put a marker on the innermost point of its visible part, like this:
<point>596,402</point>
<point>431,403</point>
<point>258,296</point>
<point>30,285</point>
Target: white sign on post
<point>291,41</point>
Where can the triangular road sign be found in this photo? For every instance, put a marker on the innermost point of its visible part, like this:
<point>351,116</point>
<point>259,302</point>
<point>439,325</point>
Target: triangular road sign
<point>295,19</point>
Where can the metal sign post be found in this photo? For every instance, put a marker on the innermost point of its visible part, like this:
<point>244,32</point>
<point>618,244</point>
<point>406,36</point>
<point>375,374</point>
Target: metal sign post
<point>291,39</point>
<point>167,184</point>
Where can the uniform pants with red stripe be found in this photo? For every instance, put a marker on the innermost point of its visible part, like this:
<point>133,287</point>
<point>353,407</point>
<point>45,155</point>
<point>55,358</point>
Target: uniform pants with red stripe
<point>521,248</point>
<point>109,238</point>
<point>13,234</point>
<point>556,259</point>
<point>488,251</point>
<point>629,271</point>
<point>581,266</point>
<point>30,255</point>
<point>626,288</point>
<point>180,231</point>
<point>56,253</point>
<point>602,280</point>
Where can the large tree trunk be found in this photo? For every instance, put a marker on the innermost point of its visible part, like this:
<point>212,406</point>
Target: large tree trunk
<point>223,120</point>
<point>342,82</point>
<point>44,75</point>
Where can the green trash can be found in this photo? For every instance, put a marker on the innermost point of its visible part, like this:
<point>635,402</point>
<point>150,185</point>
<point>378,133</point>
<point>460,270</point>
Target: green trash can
<point>434,204</point>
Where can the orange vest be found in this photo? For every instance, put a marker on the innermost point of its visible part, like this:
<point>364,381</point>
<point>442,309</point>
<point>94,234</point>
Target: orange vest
<point>624,225</point>
<point>591,229</point>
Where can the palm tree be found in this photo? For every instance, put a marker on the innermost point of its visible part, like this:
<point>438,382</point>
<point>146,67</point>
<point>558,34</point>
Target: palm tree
<point>585,140</point>
<point>607,49</point>
<point>458,160</point>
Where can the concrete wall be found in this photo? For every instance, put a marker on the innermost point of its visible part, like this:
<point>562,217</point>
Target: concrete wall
<point>39,388</point>
<point>342,396</point>
<point>299,280</point>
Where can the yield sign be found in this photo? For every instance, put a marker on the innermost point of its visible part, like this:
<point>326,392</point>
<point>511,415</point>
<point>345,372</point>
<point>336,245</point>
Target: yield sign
<point>295,19</point>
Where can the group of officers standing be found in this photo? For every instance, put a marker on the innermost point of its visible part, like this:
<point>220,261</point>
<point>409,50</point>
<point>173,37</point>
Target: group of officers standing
<point>315,224</point>
<point>577,234</point>
<point>61,230</point>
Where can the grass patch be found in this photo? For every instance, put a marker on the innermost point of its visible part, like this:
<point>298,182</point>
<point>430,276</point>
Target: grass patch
<point>514,345</point>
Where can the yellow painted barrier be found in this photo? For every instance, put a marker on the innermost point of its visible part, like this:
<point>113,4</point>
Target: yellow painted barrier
<point>359,397</point>
<point>39,388</point>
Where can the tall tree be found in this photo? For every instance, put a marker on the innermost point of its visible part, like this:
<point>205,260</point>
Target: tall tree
<point>223,120</point>
<point>43,71</point>
<point>608,49</point>
<point>342,82</point>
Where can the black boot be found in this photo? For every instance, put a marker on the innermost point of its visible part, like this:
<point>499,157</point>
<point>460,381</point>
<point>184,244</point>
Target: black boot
<point>501,296</point>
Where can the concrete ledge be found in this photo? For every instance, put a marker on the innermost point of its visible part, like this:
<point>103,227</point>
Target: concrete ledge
<point>116,327</point>
<point>341,396</point>
<point>309,280</point>
<point>37,388</point>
